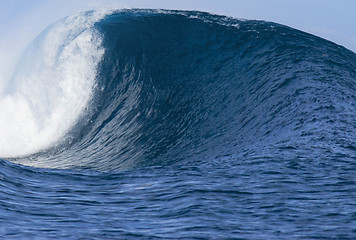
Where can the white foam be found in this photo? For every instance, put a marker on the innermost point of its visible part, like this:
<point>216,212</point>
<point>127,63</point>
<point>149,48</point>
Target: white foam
<point>51,87</point>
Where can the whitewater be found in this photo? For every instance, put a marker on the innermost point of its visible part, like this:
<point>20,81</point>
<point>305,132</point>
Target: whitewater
<point>178,124</point>
<point>51,86</point>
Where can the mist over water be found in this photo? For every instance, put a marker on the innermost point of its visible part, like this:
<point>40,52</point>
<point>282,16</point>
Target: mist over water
<point>178,124</point>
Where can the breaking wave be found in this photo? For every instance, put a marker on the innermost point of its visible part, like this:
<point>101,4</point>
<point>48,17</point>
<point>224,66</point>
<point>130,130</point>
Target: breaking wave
<point>116,90</point>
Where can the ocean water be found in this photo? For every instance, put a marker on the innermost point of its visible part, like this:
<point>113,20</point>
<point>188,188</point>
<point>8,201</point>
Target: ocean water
<point>154,124</point>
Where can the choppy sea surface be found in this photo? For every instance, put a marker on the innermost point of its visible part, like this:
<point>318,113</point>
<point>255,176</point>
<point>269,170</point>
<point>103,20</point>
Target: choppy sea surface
<point>157,124</point>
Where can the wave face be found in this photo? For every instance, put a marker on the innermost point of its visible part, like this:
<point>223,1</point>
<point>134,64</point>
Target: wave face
<point>216,120</point>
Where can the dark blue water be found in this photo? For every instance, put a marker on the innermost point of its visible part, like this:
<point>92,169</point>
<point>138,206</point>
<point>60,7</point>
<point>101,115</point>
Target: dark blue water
<point>199,126</point>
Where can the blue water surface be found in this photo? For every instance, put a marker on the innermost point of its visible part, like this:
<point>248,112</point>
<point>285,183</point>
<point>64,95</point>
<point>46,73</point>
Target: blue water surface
<point>200,127</point>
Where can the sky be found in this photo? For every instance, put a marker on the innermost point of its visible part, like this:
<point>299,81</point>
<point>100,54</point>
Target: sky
<point>22,20</point>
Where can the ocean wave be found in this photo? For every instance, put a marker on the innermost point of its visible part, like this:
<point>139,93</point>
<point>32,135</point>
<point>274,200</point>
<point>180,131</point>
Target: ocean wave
<point>132,88</point>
